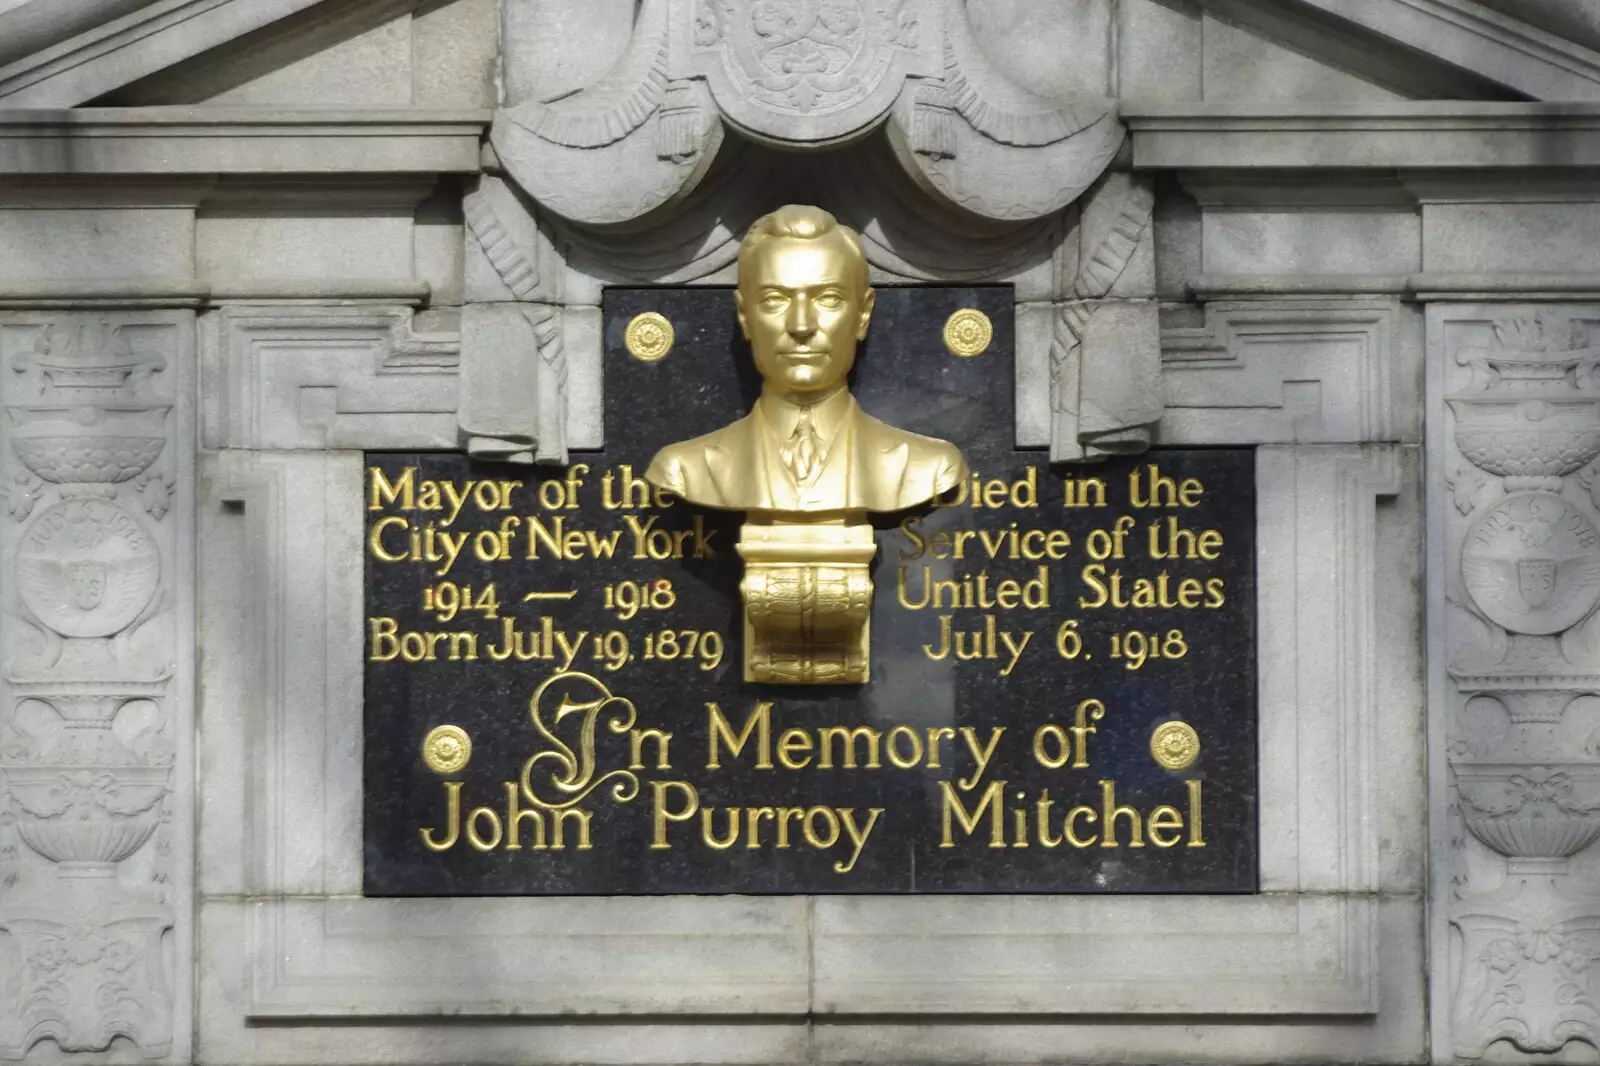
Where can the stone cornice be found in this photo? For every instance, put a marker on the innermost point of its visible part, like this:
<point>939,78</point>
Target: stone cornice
<point>1389,136</point>
<point>1473,37</point>
<point>80,49</point>
<point>1422,288</point>
<point>207,140</point>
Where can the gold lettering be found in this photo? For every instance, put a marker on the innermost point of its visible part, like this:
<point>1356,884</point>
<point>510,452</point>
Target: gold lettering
<point>848,737</point>
<point>1161,820</point>
<point>637,737</point>
<point>1082,727</point>
<point>452,817</point>
<point>1195,839</point>
<point>904,762</point>
<point>793,743</point>
<point>1071,827</point>
<point>515,814</point>
<point>993,801</point>
<point>1042,820</point>
<point>858,835</point>
<point>1111,812</point>
<point>1056,736</point>
<point>711,840</point>
<point>661,815</point>
<point>375,540</point>
<point>386,492</point>
<point>812,837</point>
<point>980,755</point>
<point>759,722</point>
<point>475,838</point>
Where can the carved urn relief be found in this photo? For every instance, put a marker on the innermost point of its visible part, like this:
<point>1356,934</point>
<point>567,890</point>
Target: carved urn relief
<point>86,757</point>
<point>1522,652</point>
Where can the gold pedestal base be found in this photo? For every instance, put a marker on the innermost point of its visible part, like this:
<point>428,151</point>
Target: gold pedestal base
<point>807,601</point>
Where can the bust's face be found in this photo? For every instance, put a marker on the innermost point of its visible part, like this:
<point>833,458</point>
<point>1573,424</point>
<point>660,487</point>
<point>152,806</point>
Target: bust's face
<point>803,304</point>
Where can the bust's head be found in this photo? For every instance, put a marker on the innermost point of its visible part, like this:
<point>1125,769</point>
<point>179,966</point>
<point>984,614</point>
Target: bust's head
<point>803,299</point>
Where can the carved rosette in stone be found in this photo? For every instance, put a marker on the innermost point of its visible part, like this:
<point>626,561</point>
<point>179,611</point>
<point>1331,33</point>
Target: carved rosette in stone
<point>889,113</point>
<point>86,657</point>
<point>1526,546</point>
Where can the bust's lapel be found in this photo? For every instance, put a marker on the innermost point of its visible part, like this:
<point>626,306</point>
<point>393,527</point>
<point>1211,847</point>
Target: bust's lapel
<point>878,464</point>
<point>734,464</point>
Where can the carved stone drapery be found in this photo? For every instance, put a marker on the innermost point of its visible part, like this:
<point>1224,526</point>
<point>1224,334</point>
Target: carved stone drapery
<point>88,659</point>
<point>1523,644</point>
<point>906,130</point>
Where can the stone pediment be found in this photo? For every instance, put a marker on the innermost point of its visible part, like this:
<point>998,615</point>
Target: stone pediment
<point>59,54</point>
<point>823,85</point>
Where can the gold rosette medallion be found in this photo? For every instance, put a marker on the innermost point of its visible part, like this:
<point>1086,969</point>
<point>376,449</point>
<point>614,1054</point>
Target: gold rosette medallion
<point>649,337</point>
<point>447,749</point>
<point>968,332</point>
<point>1175,745</point>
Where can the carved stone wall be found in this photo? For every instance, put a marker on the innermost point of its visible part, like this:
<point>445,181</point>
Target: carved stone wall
<point>1515,392</point>
<point>892,114</point>
<point>94,638</point>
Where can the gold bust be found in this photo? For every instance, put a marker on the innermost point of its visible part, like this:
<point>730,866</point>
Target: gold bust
<point>805,447</point>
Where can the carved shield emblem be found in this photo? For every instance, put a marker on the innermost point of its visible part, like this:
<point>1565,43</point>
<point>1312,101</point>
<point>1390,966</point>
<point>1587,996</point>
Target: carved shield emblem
<point>87,567</point>
<point>1536,580</point>
<point>86,582</point>
<point>1532,563</point>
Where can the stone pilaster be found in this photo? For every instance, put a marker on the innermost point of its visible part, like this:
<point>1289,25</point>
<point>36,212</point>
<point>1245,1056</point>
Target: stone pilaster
<point>95,667</point>
<point>1517,580</point>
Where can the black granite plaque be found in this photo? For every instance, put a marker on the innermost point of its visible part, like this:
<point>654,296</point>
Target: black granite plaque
<point>1029,640</point>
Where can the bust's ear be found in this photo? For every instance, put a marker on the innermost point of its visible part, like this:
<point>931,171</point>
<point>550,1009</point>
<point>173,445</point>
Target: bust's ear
<point>738,310</point>
<point>868,300</point>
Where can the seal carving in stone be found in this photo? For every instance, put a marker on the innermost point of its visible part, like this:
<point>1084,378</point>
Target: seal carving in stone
<point>834,66</point>
<point>86,568</point>
<point>1532,563</point>
<point>806,56</point>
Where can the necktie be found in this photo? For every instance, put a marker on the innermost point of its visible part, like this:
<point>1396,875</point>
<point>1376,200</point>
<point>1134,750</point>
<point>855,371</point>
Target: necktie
<point>801,452</point>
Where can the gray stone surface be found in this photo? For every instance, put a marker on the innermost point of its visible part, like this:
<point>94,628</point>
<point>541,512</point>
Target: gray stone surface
<point>1333,233</point>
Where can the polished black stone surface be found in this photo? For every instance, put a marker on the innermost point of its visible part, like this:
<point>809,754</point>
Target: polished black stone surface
<point>905,376</point>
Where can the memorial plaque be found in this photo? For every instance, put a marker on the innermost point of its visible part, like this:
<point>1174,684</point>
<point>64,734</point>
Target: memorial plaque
<point>1062,692</point>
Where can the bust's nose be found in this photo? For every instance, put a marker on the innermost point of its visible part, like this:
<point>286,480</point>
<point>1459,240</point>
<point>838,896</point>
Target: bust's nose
<point>802,323</point>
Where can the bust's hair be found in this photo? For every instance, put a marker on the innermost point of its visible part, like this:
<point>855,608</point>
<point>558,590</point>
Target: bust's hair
<point>801,222</point>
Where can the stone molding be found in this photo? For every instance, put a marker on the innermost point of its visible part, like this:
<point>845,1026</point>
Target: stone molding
<point>96,636</point>
<point>1408,135</point>
<point>1420,288</point>
<point>1308,369</point>
<point>1515,575</point>
<point>284,582</point>
<point>220,140</point>
<point>186,292</point>
<point>285,377</point>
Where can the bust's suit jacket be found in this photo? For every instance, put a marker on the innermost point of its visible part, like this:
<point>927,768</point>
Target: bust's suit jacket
<point>884,468</point>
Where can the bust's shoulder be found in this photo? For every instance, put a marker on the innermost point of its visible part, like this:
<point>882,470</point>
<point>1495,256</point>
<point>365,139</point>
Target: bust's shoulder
<point>929,450</point>
<point>681,467</point>
<point>694,448</point>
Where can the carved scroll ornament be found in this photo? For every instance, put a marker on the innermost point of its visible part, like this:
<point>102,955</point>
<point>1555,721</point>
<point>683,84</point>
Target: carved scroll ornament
<point>803,74</point>
<point>890,113</point>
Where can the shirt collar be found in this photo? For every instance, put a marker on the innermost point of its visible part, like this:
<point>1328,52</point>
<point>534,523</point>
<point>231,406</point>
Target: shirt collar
<point>828,416</point>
